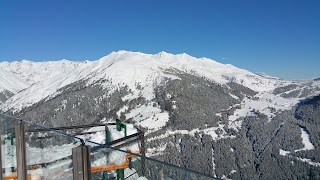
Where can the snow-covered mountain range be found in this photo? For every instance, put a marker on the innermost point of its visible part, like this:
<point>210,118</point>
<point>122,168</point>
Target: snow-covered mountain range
<point>123,67</point>
<point>33,72</point>
<point>16,76</point>
<point>181,101</point>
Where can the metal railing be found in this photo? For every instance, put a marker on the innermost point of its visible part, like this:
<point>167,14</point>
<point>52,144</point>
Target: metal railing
<point>32,151</point>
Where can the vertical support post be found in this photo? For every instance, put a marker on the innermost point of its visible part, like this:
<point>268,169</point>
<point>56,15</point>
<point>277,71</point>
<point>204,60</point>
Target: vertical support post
<point>130,163</point>
<point>108,135</point>
<point>118,124</point>
<point>125,129</point>
<point>21,151</point>
<point>81,163</point>
<point>1,121</point>
<point>120,174</point>
<point>105,175</point>
<point>143,153</point>
<point>107,140</point>
<point>11,149</point>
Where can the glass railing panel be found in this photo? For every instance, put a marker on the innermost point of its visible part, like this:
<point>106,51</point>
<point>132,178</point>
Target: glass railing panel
<point>8,145</point>
<point>49,153</point>
<point>107,164</point>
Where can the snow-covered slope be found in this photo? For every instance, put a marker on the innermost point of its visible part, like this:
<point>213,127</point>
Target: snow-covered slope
<point>38,71</point>
<point>11,82</point>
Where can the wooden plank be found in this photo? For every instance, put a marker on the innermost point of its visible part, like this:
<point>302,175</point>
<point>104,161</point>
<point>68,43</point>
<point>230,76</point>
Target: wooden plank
<point>21,151</point>
<point>81,163</point>
<point>75,162</point>
<point>86,162</point>
<point>143,153</point>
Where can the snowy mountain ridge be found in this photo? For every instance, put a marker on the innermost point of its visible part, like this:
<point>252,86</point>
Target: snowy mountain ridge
<point>129,69</point>
<point>18,75</point>
<point>122,67</point>
<point>33,72</point>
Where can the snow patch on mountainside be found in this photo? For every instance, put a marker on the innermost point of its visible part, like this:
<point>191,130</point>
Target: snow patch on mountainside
<point>263,102</point>
<point>305,136</point>
<point>215,132</point>
<point>306,160</point>
<point>157,150</point>
<point>283,152</point>
<point>149,117</point>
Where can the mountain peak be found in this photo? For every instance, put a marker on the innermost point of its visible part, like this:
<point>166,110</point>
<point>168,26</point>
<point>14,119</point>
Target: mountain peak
<point>163,54</point>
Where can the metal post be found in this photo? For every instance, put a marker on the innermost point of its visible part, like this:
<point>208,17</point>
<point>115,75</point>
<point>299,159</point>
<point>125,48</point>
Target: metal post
<point>11,149</point>
<point>118,124</point>
<point>143,153</point>
<point>108,135</point>
<point>125,129</point>
<point>81,163</point>
<point>107,140</point>
<point>21,151</point>
<point>120,174</point>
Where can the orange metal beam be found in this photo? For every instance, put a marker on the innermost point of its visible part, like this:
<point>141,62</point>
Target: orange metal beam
<point>14,176</point>
<point>109,167</point>
<point>112,166</point>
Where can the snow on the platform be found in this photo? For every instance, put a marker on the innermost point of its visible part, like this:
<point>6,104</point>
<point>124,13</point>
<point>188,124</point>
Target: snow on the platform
<point>99,135</point>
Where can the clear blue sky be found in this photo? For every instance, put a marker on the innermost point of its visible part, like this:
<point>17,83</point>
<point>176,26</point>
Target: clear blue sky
<point>278,37</point>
